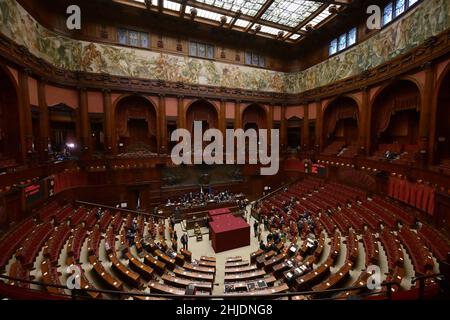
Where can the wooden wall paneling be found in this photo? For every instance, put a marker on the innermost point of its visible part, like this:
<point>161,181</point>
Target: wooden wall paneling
<point>425,111</point>
<point>44,122</point>
<point>107,120</point>
<point>26,126</point>
<point>283,129</point>
<point>163,124</point>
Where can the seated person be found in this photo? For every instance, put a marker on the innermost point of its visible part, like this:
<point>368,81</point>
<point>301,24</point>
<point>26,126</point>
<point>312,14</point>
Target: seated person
<point>262,246</point>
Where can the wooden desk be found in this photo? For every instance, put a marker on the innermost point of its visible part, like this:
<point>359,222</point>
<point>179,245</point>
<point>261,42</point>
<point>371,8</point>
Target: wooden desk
<point>193,275</point>
<point>207,264</point>
<point>183,283</point>
<point>179,259</point>
<point>241,269</point>
<point>308,261</point>
<point>312,278</point>
<point>84,283</point>
<point>200,269</point>
<point>107,278</point>
<point>209,259</point>
<point>335,279</point>
<point>50,276</point>
<point>233,259</point>
<point>268,264</point>
<point>242,285</point>
<point>170,262</point>
<point>236,264</point>
<point>262,258</point>
<point>244,276</point>
<point>279,246</point>
<point>187,254</point>
<point>128,275</point>
<point>279,268</point>
<point>157,265</point>
<point>268,291</point>
<point>156,287</point>
<point>136,265</point>
<point>320,247</point>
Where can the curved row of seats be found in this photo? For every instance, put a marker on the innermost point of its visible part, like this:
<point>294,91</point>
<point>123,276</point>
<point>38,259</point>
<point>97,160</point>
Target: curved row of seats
<point>347,210</point>
<point>354,220</point>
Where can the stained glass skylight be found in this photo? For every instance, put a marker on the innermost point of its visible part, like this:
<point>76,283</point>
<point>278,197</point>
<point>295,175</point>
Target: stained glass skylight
<point>290,12</point>
<point>247,7</point>
<point>274,16</point>
<point>320,17</point>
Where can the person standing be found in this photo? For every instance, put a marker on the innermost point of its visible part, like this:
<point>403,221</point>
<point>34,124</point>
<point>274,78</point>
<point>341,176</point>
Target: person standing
<point>255,228</point>
<point>184,241</point>
<point>172,222</point>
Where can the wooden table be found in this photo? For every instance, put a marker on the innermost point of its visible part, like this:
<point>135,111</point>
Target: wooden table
<point>255,255</point>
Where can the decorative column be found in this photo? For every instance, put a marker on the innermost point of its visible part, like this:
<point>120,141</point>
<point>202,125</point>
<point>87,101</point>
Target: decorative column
<point>363,127</point>
<point>107,120</point>
<point>319,124</point>
<point>425,110</point>
<point>223,117</point>
<point>283,131</point>
<point>84,121</point>
<point>181,118</point>
<point>237,115</point>
<point>305,134</point>
<point>44,121</point>
<point>162,125</point>
<point>269,123</point>
<point>25,120</point>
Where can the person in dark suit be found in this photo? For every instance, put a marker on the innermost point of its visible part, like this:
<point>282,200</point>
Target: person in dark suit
<point>184,241</point>
<point>255,228</point>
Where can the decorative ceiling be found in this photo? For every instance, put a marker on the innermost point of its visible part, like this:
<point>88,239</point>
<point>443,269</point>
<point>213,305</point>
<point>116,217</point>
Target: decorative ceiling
<point>283,20</point>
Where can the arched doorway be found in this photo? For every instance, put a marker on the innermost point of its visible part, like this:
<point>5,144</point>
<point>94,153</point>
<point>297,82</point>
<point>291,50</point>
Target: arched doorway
<point>136,125</point>
<point>204,111</point>
<point>293,131</point>
<point>254,117</point>
<point>62,130</point>
<point>340,127</point>
<point>9,120</point>
<point>442,136</point>
<point>395,122</point>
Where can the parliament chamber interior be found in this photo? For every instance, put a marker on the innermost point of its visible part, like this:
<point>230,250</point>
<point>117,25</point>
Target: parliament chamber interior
<point>349,98</point>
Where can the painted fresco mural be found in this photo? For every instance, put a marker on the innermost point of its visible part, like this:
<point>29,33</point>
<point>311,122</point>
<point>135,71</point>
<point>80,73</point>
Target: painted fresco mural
<point>423,22</point>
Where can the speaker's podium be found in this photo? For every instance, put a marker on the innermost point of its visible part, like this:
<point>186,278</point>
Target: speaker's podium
<point>228,232</point>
